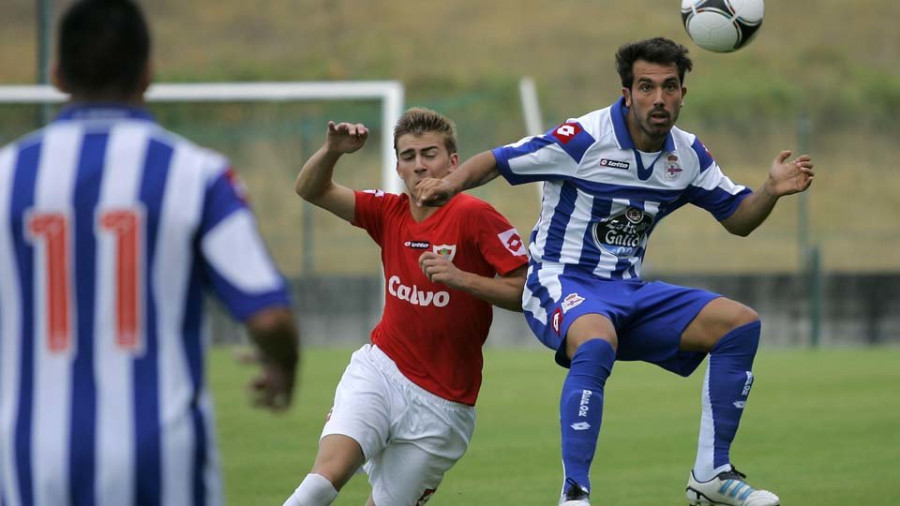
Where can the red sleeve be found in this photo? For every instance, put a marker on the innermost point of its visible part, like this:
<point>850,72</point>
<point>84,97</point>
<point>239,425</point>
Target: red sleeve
<point>369,212</point>
<point>499,242</point>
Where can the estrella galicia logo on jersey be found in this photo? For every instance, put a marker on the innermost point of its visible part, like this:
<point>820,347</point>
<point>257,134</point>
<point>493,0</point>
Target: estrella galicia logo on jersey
<point>571,300</point>
<point>567,132</point>
<point>512,242</point>
<point>377,193</point>
<point>447,251</point>
<point>616,164</point>
<point>417,244</point>
<point>556,320</point>
<point>623,233</point>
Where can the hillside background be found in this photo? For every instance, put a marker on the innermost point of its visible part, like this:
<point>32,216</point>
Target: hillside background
<point>832,64</point>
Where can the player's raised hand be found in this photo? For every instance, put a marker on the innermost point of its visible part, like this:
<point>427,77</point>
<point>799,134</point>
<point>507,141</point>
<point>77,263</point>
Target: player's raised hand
<point>787,177</point>
<point>434,192</point>
<point>439,269</point>
<point>345,138</point>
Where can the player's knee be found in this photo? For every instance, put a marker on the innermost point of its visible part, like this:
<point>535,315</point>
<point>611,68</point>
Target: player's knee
<point>743,316</point>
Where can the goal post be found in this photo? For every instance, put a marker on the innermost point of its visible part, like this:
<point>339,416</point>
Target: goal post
<point>389,93</point>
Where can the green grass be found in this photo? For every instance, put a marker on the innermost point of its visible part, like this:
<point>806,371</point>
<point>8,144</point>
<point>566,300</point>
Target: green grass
<point>821,429</point>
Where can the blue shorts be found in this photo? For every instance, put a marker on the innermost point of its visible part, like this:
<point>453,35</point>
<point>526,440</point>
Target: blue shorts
<point>649,317</point>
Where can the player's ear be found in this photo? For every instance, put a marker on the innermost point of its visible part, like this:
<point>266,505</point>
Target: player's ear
<point>627,94</point>
<point>146,77</point>
<point>454,161</point>
<point>56,77</point>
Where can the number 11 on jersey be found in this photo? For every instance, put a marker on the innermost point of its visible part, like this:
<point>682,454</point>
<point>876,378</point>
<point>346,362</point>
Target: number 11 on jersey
<point>51,232</point>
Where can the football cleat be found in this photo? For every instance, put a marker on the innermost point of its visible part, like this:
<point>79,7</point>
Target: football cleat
<point>728,488</point>
<point>574,494</point>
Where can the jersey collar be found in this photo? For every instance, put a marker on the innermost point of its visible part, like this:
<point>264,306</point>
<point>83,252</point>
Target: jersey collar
<point>103,111</point>
<point>620,127</point>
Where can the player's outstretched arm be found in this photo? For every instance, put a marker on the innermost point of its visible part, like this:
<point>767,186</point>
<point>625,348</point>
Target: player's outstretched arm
<point>475,171</point>
<point>315,182</point>
<point>275,336</point>
<point>501,291</point>
<point>785,178</point>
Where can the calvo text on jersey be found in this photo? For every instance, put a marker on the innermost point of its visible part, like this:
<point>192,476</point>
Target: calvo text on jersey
<point>415,295</point>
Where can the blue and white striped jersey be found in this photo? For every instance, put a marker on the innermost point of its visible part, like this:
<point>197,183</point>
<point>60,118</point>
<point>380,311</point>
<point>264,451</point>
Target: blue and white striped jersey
<point>603,197</point>
<point>111,229</point>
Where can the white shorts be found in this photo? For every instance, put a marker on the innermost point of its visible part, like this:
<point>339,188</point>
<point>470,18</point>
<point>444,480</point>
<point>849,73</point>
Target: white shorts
<point>409,436</point>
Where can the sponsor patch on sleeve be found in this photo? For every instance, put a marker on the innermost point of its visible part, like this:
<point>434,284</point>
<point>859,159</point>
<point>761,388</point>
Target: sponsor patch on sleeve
<point>566,132</point>
<point>512,242</point>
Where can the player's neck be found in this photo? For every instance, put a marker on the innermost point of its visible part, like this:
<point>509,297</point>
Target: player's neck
<point>421,214</point>
<point>135,100</point>
<point>644,141</point>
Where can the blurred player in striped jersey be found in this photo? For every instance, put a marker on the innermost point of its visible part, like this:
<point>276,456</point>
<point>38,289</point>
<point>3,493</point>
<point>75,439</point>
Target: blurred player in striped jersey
<point>609,177</point>
<point>111,231</point>
<point>404,409</point>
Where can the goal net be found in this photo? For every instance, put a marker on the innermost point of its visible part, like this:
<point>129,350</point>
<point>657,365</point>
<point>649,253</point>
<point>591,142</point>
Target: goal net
<point>267,130</point>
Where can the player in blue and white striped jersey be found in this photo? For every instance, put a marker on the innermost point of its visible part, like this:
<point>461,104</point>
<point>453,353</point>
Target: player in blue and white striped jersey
<point>111,231</point>
<point>609,177</point>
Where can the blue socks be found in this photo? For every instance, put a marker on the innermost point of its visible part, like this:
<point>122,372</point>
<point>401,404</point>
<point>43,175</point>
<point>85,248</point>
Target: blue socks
<point>725,391</point>
<point>581,407</point>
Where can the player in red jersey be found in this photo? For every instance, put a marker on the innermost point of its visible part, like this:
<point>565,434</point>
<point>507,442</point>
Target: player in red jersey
<point>404,408</point>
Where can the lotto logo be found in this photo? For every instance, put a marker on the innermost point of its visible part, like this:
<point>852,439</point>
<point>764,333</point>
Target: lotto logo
<point>567,132</point>
<point>512,242</point>
<point>556,321</point>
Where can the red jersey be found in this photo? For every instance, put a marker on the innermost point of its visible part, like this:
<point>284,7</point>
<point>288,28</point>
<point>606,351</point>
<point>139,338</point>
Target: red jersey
<point>432,332</point>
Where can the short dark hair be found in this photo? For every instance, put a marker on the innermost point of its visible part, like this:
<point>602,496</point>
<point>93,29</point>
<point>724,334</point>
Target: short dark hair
<point>103,47</point>
<point>657,50</point>
<point>419,120</point>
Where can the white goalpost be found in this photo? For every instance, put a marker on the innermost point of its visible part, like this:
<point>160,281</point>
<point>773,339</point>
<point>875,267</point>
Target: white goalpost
<point>389,93</point>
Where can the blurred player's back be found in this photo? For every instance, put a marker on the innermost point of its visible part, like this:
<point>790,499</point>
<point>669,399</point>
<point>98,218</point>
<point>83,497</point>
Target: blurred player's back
<point>111,228</point>
<point>86,329</point>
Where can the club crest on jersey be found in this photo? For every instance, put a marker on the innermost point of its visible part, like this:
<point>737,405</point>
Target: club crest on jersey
<point>567,132</point>
<point>556,320</point>
<point>512,242</point>
<point>447,251</point>
<point>616,164</point>
<point>571,300</point>
<point>377,193</point>
<point>673,168</point>
<point>622,234</point>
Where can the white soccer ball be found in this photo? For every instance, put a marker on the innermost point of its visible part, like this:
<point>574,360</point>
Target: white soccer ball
<point>722,25</point>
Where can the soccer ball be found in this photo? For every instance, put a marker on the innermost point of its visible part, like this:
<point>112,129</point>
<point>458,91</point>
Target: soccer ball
<point>722,25</point>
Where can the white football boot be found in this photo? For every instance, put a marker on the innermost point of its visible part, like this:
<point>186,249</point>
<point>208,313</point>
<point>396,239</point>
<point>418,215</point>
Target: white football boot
<point>729,489</point>
<point>574,495</point>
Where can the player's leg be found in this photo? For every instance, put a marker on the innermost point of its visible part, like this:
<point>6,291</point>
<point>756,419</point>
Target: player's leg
<point>575,316</point>
<point>357,426</point>
<point>337,460</point>
<point>590,344</point>
<point>406,475</point>
<point>427,440</point>
<point>729,332</point>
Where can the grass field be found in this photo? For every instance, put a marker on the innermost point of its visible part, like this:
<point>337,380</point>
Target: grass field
<point>822,429</point>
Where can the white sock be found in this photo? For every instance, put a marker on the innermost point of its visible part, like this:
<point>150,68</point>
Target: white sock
<point>315,490</point>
